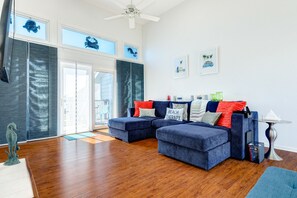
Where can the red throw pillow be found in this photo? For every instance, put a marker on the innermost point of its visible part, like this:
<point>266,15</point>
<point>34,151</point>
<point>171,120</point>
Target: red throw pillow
<point>143,105</point>
<point>227,108</point>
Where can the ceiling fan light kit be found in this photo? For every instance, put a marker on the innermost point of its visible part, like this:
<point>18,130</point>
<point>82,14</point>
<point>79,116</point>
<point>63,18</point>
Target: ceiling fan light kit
<point>132,12</point>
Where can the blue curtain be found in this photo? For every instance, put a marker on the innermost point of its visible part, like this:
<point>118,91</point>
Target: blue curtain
<point>130,82</point>
<point>30,99</point>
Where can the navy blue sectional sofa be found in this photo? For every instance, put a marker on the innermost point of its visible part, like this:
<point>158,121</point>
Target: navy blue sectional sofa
<point>196,143</point>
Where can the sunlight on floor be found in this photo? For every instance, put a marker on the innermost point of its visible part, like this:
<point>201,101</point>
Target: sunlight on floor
<point>101,136</point>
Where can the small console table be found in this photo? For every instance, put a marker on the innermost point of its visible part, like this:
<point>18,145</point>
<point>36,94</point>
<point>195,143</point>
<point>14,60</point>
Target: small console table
<point>271,135</point>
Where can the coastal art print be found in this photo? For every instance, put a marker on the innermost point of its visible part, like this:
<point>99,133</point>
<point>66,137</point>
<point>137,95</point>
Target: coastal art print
<point>209,62</point>
<point>181,67</point>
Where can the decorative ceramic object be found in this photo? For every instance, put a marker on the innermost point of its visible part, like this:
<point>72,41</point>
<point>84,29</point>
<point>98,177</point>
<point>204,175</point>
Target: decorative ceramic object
<point>12,140</point>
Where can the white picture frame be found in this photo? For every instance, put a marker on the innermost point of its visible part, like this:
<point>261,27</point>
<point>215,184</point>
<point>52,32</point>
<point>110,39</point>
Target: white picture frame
<point>181,67</point>
<point>209,61</point>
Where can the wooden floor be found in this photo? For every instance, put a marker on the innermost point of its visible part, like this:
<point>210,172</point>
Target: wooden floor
<point>112,168</point>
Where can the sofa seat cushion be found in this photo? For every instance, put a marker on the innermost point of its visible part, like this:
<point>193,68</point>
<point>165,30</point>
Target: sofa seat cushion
<point>162,122</point>
<point>129,123</point>
<point>195,137</point>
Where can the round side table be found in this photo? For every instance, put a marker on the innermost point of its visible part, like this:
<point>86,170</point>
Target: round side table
<point>271,135</point>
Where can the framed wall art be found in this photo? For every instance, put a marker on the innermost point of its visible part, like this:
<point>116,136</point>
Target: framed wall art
<point>209,62</point>
<point>181,67</point>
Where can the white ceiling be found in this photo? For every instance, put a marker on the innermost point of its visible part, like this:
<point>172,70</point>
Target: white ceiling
<point>156,8</point>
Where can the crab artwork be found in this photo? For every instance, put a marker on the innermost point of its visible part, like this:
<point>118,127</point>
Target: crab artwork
<point>91,42</point>
<point>30,25</point>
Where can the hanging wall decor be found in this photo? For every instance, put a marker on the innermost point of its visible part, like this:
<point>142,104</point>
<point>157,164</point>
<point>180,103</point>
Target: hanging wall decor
<point>31,25</point>
<point>91,42</point>
<point>181,67</point>
<point>209,62</point>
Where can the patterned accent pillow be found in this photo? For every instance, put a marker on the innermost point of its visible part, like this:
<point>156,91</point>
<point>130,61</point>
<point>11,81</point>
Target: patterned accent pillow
<point>182,106</point>
<point>146,112</point>
<point>174,114</point>
<point>198,108</point>
<point>211,118</point>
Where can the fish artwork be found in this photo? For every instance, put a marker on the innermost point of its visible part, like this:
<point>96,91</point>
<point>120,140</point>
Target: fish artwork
<point>91,42</point>
<point>130,50</point>
<point>30,25</point>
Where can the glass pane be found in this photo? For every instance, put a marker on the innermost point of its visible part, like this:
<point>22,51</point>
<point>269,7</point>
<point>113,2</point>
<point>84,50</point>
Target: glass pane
<point>83,98</point>
<point>69,100</point>
<point>130,52</point>
<point>103,98</point>
<point>85,41</point>
<point>26,26</point>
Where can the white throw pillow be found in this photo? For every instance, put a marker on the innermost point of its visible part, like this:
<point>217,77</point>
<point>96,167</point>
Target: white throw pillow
<point>146,112</point>
<point>198,108</point>
<point>182,106</point>
<point>174,114</point>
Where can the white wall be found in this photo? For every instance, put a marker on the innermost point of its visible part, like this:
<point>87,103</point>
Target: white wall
<point>257,43</point>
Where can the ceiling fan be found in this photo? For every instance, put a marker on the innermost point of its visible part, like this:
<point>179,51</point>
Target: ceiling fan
<point>132,11</point>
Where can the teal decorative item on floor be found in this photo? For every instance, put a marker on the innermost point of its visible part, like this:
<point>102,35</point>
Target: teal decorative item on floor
<point>275,183</point>
<point>12,140</point>
<point>79,136</point>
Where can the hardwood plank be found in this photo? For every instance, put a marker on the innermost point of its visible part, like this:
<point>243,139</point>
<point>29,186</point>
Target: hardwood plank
<point>112,168</point>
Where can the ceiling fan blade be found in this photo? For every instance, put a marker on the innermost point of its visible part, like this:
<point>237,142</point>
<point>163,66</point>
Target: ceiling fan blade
<point>114,17</point>
<point>149,17</point>
<point>132,23</point>
<point>144,4</point>
<point>119,4</point>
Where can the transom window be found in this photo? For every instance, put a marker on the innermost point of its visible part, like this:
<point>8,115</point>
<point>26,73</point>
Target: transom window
<point>86,41</point>
<point>26,26</point>
<point>130,52</point>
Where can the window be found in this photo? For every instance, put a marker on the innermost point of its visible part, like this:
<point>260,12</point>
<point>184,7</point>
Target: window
<point>26,26</point>
<point>130,52</point>
<point>85,41</point>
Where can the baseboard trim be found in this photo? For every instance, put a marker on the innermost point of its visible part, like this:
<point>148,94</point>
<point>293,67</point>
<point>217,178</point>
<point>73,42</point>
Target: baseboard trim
<point>284,148</point>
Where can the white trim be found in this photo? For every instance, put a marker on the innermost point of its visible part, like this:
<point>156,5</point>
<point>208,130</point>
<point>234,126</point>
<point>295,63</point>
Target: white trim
<point>283,148</point>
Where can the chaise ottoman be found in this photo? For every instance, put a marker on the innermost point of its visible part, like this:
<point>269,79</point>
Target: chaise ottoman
<point>202,146</point>
<point>130,129</point>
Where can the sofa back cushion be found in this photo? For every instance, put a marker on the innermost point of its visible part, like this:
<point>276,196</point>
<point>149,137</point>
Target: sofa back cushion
<point>142,104</point>
<point>183,102</point>
<point>227,108</point>
<point>160,108</point>
<point>198,108</point>
<point>212,106</point>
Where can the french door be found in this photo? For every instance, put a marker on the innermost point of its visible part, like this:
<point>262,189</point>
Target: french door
<point>76,97</point>
<point>103,98</point>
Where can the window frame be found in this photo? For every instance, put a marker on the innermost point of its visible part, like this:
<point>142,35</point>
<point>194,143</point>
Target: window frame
<point>32,38</point>
<point>81,31</point>
<point>138,59</point>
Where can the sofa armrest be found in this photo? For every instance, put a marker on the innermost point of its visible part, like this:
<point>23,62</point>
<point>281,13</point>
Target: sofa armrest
<point>130,112</point>
<point>241,125</point>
